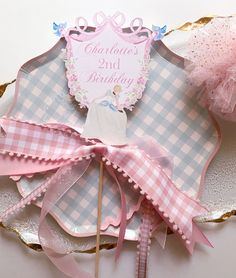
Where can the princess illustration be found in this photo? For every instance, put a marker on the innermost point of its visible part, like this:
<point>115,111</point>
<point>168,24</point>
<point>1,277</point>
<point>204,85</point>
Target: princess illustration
<point>106,120</point>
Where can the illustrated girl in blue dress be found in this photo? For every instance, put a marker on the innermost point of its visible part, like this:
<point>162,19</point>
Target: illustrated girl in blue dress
<point>105,120</point>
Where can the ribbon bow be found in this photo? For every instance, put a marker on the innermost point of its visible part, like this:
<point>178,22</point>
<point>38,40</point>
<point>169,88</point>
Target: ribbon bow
<point>28,148</point>
<point>107,103</point>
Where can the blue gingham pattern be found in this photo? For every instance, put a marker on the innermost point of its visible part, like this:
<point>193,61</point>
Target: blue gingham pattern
<point>168,112</point>
<point>80,203</point>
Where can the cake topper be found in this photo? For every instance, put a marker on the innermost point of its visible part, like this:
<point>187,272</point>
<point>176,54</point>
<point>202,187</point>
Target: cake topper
<point>107,69</point>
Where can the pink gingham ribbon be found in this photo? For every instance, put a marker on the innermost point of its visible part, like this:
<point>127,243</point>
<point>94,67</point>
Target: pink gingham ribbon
<point>28,148</point>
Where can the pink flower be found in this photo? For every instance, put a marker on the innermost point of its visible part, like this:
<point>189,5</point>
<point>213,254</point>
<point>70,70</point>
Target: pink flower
<point>141,80</point>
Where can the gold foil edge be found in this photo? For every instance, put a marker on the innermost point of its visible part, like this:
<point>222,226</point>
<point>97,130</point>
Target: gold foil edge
<point>3,87</point>
<point>188,26</point>
<point>216,216</point>
<point>34,246</point>
<point>37,247</point>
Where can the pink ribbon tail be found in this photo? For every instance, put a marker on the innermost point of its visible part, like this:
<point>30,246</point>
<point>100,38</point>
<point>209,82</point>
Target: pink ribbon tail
<point>160,234</point>
<point>197,236</point>
<point>146,228</point>
<point>62,181</point>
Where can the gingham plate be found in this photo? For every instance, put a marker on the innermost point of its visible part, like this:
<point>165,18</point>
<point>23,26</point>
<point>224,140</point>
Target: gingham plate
<point>168,112</point>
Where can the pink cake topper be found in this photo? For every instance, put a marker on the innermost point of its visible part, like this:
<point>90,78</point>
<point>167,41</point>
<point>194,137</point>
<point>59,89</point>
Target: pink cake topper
<point>107,70</point>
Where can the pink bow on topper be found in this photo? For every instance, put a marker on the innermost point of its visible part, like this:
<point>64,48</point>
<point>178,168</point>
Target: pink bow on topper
<point>29,148</point>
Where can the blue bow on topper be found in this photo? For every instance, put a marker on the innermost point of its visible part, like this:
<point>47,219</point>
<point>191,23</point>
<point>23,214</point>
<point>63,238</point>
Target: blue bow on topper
<point>159,32</point>
<point>59,28</point>
<point>107,103</point>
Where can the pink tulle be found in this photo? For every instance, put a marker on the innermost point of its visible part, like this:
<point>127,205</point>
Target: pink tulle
<point>211,64</point>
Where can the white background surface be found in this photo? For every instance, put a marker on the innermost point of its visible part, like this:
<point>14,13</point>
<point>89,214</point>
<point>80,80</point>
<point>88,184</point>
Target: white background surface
<point>26,31</point>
